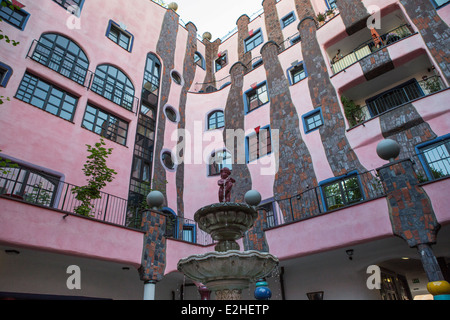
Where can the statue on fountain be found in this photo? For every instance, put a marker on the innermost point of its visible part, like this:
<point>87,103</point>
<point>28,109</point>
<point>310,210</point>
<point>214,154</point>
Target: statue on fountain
<point>225,185</point>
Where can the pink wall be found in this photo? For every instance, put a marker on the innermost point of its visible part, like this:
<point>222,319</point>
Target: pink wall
<point>46,230</point>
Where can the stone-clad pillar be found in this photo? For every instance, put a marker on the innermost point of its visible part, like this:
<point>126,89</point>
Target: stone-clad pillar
<point>435,32</point>
<point>354,15</point>
<point>340,155</point>
<point>295,172</point>
<point>243,33</point>
<point>166,50</point>
<point>189,69</point>
<point>411,213</point>
<point>273,24</point>
<point>234,134</point>
<point>153,262</point>
<point>211,52</point>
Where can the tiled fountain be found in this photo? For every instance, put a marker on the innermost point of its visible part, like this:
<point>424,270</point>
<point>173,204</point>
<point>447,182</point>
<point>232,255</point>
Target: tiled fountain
<point>227,271</point>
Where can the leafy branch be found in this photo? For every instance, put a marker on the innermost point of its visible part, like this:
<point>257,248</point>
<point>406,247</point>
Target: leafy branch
<point>99,174</point>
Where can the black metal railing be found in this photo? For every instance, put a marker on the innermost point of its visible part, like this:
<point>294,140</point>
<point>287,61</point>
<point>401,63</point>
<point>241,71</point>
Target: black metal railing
<point>314,202</point>
<point>37,188</point>
<point>400,95</point>
<point>368,47</point>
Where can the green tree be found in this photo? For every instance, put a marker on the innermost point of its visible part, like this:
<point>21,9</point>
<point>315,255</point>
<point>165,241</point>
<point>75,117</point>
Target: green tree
<point>99,175</point>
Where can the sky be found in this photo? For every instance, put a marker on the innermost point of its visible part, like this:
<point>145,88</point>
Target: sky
<point>215,16</point>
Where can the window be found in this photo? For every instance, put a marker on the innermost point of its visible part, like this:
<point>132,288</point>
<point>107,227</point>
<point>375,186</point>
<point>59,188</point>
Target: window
<point>439,3</point>
<point>254,40</point>
<point>218,161</point>
<point>167,160</point>
<point>73,5</point>
<point>105,124</point>
<point>297,73</point>
<point>216,120</point>
<point>222,61</point>
<point>256,97</point>
<point>29,185</point>
<point>342,191</point>
<point>295,40</point>
<point>188,233</point>
<point>269,214</point>
<point>14,16</point>
<point>312,120</point>
<point>119,36</point>
<point>287,20</point>
<point>47,97</point>
<point>176,77</point>
<point>152,76</point>
<point>435,157</point>
<point>171,114</point>
<point>63,56</point>
<point>259,144</point>
<point>199,60</point>
<point>331,4</point>
<point>114,85</point>
<point>5,74</point>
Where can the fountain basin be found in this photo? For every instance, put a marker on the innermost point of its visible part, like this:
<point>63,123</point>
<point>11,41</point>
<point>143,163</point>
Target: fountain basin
<point>231,270</point>
<point>226,222</point>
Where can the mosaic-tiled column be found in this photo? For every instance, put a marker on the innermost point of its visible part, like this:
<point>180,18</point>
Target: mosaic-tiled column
<point>411,213</point>
<point>354,15</point>
<point>166,50</point>
<point>273,24</point>
<point>189,69</point>
<point>243,33</point>
<point>233,133</point>
<point>435,32</point>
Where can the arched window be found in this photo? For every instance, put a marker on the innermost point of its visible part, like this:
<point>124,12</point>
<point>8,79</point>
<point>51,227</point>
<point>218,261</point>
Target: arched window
<point>199,60</point>
<point>62,55</point>
<point>218,161</point>
<point>216,120</point>
<point>114,85</point>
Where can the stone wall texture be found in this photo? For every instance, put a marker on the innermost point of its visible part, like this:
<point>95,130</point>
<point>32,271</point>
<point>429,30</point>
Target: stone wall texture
<point>354,14</point>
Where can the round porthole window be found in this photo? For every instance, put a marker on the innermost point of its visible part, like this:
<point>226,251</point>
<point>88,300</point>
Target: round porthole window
<point>171,113</point>
<point>176,77</point>
<point>167,160</point>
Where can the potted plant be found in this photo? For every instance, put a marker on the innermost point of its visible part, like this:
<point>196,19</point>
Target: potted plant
<point>321,19</point>
<point>353,112</point>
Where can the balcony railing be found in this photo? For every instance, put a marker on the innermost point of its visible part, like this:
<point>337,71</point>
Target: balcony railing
<point>395,97</point>
<point>343,192</point>
<point>369,47</point>
<point>37,188</point>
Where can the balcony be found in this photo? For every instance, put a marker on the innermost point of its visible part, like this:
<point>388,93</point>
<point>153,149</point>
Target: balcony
<point>43,190</point>
<point>339,63</point>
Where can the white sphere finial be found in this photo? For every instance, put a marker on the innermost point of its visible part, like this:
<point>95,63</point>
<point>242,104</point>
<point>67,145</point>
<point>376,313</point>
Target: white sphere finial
<point>252,198</point>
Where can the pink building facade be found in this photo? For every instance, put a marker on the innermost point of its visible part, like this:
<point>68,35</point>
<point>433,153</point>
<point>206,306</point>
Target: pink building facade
<point>295,103</point>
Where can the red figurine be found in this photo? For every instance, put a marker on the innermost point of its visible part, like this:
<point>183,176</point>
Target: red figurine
<point>226,184</point>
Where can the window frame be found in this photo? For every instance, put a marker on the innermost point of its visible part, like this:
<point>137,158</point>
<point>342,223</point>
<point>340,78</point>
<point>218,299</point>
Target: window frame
<point>437,6</point>
<point>29,95</point>
<point>288,19</point>
<point>249,93</point>
<point>24,14</point>
<point>309,115</point>
<point>222,58</point>
<point>343,191</point>
<point>252,40</point>
<point>331,4</point>
<point>64,54</point>
<point>6,74</point>
<point>108,122</point>
<point>102,89</point>
<point>226,155</point>
<point>291,69</point>
<point>422,148</point>
<point>217,121</point>
<point>268,145</point>
<point>116,27</point>
<point>66,6</point>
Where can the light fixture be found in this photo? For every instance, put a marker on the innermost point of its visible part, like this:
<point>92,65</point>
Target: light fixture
<point>349,254</point>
